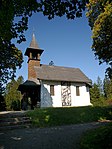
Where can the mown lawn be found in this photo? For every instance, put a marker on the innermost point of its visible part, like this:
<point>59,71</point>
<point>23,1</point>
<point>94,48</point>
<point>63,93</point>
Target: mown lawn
<point>47,117</point>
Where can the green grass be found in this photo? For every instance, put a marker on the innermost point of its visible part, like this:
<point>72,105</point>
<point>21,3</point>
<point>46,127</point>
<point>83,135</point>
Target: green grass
<point>100,138</point>
<point>65,116</point>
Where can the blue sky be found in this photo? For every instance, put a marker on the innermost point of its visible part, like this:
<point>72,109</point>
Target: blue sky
<point>65,42</point>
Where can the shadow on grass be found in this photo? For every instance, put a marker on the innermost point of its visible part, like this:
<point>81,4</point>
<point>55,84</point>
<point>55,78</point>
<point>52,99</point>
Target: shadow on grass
<point>99,138</point>
<point>65,116</point>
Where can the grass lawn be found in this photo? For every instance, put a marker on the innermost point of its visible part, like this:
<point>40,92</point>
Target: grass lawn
<point>100,138</point>
<point>47,117</point>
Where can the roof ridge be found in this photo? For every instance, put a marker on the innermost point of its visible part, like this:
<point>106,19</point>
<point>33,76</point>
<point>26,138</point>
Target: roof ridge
<point>59,66</point>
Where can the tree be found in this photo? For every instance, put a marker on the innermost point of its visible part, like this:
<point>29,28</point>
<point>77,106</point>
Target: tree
<point>12,95</point>
<point>101,92</point>
<point>107,88</point>
<point>100,20</point>
<point>95,95</point>
<point>100,85</point>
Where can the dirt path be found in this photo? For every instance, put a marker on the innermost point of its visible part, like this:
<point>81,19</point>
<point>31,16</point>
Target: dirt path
<point>61,137</point>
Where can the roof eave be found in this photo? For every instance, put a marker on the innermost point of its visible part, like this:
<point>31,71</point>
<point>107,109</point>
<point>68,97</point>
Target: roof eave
<point>78,81</point>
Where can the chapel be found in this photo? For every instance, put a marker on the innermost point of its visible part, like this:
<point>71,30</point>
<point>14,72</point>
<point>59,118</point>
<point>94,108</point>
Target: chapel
<point>53,86</point>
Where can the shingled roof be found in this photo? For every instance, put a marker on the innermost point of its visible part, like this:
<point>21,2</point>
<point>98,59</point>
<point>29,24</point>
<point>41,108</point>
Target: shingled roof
<point>33,43</point>
<point>33,47</point>
<point>57,73</point>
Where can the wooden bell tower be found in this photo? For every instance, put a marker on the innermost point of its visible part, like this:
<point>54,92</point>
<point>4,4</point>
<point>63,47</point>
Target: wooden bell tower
<point>34,53</point>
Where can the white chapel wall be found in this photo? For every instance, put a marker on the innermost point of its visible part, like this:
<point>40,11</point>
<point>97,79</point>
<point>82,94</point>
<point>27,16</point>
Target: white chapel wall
<point>55,101</point>
<point>46,99</point>
<point>83,99</point>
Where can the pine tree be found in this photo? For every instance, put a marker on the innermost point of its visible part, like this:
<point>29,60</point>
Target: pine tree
<point>95,94</point>
<point>12,95</point>
<point>100,85</point>
<point>108,88</point>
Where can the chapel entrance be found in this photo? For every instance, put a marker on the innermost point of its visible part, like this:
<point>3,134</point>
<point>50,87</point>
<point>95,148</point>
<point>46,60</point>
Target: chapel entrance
<point>66,93</point>
<point>31,95</point>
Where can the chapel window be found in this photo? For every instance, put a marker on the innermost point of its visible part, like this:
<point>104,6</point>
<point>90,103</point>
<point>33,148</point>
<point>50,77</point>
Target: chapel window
<point>77,91</point>
<point>52,90</point>
<point>87,88</point>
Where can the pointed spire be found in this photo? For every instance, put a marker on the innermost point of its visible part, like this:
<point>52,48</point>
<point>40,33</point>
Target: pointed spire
<point>33,48</point>
<point>33,43</point>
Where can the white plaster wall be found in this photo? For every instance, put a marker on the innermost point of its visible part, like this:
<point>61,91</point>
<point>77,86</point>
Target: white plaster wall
<point>46,99</point>
<point>55,101</point>
<point>83,99</point>
<point>57,95</point>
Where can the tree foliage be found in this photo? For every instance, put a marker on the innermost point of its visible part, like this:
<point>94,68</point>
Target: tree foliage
<point>101,92</point>
<point>12,95</point>
<point>107,88</point>
<point>100,20</point>
<point>95,95</point>
<point>100,85</point>
<point>71,9</point>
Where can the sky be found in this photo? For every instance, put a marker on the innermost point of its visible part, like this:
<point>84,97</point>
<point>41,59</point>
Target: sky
<point>65,42</point>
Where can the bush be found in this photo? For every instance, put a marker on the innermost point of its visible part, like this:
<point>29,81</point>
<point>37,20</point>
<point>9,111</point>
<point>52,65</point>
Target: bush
<point>100,138</point>
<point>15,105</point>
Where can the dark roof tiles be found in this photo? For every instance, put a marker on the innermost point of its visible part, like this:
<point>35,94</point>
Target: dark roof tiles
<point>57,73</point>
